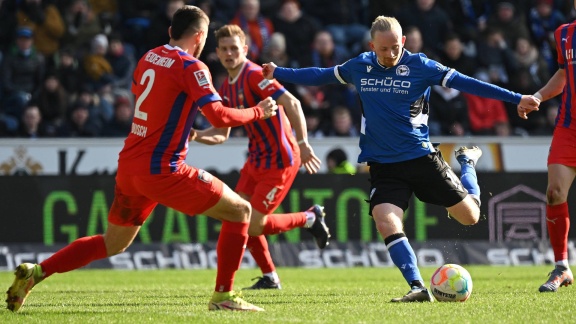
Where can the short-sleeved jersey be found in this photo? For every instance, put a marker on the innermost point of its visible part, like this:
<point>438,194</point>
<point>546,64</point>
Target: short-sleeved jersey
<point>271,142</point>
<point>566,47</point>
<point>170,86</point>
<point>394,104</point>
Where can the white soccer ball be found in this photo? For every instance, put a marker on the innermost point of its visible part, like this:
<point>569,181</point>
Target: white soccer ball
<point>451,282</point>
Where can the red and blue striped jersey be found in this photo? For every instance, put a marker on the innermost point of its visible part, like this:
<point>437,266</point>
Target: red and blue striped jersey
<point>170,86</point>
<point>565,46</point>
<point>271,142</point>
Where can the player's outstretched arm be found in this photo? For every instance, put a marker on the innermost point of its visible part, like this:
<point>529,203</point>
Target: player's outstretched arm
<point>305,76</point>
<point>221,116</point>
<point>210,136</point>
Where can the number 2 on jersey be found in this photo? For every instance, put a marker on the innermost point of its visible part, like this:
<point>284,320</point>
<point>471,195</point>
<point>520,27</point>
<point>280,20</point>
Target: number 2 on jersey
<point>148,79</point>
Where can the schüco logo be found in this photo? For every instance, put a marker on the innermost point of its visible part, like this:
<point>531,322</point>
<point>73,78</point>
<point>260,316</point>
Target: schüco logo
<point>388,82</point>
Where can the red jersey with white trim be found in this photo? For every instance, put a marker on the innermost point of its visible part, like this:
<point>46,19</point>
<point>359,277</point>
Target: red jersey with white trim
<point>271,142</point>
<point>565,46</point>
<point>170,86</point>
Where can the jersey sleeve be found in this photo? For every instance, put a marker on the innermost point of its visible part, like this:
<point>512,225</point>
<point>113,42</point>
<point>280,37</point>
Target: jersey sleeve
<point>559,51</point>
<point>343,71</point>
<point>199,82</point>
<point>435,72</point>
<point>263,87</point>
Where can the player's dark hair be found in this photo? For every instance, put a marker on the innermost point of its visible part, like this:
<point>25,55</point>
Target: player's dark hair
<point>188,20</point>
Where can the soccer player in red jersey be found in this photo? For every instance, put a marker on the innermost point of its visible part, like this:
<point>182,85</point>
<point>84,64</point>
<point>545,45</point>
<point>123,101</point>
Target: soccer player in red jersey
<point>275,155</point>
<point>170,85</point>
<point>562,155</point>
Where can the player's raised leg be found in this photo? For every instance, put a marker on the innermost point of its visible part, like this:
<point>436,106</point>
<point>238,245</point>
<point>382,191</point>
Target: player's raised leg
<point>313,220</point>
<point>265,189</point>
<point>468,157</point>
<point>467,211</point>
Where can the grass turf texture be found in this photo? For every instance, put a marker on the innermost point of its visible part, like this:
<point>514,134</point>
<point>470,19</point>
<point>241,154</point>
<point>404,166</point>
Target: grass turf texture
<point>346,295</point>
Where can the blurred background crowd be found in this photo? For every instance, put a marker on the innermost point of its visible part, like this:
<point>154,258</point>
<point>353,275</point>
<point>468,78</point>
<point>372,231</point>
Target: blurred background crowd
<point>66,65</point>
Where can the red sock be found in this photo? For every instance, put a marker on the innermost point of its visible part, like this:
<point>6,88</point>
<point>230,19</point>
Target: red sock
<point>558,222</point>
<point>76,255</point>
<point>258,246</point>
<point>230,250</point>
<point>279,223</point>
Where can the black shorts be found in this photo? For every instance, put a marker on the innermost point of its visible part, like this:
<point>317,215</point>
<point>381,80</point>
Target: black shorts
<point>429,177</point>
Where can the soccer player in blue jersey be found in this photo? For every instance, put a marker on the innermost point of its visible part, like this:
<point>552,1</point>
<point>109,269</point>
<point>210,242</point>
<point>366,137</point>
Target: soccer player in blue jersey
<point>394,87</point>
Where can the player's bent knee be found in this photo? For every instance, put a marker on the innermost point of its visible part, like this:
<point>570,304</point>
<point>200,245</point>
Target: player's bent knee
<point>257,222</point>
<point>255,231</point>
<point>472,216</point>
<point>465,212</point>
<point>243,211</point>
<point>114,250</point>
<point>471,220</point>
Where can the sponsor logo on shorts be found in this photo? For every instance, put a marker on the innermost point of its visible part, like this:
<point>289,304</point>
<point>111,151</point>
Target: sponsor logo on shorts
<point>204,176</point>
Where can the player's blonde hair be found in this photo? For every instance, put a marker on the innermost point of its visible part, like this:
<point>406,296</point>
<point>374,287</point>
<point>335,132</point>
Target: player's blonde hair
<point>383,23</point>
<point>230,31</point>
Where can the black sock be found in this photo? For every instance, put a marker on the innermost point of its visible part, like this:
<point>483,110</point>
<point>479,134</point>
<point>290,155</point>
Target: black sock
<point>416,283</point>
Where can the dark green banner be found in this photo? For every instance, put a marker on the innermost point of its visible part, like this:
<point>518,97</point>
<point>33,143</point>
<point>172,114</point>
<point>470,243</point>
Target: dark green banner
<point>58,209</point>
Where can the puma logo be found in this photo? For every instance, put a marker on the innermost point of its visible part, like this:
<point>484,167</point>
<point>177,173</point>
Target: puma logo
<point>565,39</point>
<point>553,221</point>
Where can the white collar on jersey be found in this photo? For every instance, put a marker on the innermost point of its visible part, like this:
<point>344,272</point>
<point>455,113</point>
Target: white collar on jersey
<point>170,47</point>
<point>232,81</point>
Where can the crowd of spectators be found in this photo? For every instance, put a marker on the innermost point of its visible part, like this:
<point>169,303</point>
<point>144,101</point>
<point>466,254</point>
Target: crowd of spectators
<point>66,65</point>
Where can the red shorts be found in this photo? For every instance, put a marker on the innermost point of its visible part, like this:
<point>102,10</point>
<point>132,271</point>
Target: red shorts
<point>266,187</point>
<point>189,190</point>
<point>563,147</point>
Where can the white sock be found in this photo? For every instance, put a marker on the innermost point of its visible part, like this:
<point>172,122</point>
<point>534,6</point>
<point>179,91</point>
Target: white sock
<point>272,275</point>
<point>310,218</point>
<point>563,263</point>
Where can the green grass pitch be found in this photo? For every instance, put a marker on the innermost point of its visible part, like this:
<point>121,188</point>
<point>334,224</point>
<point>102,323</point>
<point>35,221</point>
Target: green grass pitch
<point>345,295</point>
